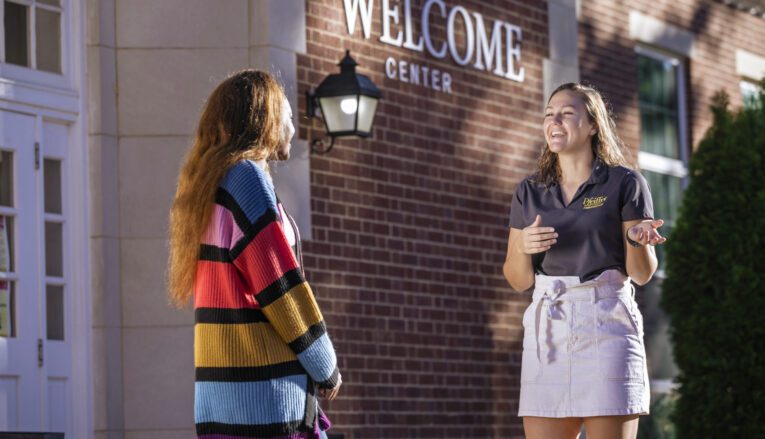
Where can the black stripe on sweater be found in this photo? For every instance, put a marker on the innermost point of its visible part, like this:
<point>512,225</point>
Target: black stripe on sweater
<point>311,335</point>
<point>215,254</point>
<point>229,316</point>
<point>266,430</point>
<point>280,287</point>
<point>260,373</point>
<point>250,231</point>
<point>227,200</point>
<point>330,382</point>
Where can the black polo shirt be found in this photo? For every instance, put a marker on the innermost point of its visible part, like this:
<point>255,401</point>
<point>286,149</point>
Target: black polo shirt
<point>590,228</point>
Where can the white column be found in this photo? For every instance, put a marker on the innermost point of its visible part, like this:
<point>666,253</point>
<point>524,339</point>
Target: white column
<point>563,64</point>
<point>101,105</point>
<point>277,36</point>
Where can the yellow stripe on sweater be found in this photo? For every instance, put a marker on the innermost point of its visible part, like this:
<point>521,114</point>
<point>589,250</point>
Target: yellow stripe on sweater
<point>294,312</point>
<point>239,345</point>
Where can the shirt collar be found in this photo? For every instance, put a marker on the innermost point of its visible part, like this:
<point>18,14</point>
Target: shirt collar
<point>599,172</point>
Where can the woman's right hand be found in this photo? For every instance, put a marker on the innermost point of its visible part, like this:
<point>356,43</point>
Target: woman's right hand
<point>535,238</point>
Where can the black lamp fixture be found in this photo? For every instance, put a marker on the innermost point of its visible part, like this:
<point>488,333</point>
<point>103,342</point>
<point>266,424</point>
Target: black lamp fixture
<point>348,102</point>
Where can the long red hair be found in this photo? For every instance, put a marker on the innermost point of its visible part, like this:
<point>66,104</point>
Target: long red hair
<point>242,120</point>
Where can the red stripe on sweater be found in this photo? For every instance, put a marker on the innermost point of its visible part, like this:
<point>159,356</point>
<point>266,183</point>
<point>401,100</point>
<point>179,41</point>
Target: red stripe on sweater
<point>267,258</point>
<point>220,285</point>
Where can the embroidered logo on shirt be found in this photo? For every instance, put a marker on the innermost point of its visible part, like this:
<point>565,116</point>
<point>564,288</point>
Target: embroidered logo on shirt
<point>591,203</point>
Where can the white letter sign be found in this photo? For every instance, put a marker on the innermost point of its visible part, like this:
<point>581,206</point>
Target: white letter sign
<point>352,8</point>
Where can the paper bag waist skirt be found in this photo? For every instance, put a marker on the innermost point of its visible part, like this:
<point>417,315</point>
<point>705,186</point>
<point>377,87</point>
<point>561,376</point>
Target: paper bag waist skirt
<point>583,352</point>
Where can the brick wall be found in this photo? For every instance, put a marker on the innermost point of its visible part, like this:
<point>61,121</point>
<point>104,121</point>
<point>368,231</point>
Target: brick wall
<point>607,55</point>
<point>410,225</point>
<point>410,231</point>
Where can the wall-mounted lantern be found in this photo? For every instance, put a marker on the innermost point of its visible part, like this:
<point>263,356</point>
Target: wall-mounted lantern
<point>348,102</point>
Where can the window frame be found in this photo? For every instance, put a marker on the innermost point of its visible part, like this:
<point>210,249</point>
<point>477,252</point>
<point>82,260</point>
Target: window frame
<point>747,85</point>
<point>31,74</point>
<point>62,98</point>
<point>658,163</point>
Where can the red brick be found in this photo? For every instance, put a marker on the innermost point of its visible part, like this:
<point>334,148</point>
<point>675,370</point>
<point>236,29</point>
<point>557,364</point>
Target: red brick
<point>410,225</point>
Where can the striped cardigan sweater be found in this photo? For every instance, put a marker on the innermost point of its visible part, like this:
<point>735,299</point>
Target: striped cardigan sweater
<point>260,344</point>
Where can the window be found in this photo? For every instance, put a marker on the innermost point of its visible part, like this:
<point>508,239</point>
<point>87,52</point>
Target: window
<point>32,34</point>
<point>663,134</point>
<point>37,289</point>
<point>54,248</point>
<point>750,93</point>
<point>663,161</point>
<point>7,217</point>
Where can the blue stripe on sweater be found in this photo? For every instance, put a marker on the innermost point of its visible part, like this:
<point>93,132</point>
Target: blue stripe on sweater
<point>319,359</point>
<point>248,184</point>
<point>251,403</point>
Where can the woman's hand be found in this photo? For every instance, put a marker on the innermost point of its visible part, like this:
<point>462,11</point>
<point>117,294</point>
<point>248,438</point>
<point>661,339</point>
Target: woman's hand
<point>536,239</point>
<point>330,394</point>
<point>646,232</point>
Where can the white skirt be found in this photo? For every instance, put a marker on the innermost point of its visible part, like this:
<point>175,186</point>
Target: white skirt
<point>583,352</point>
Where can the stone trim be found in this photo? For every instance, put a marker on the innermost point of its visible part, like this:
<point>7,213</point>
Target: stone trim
<point>563,64</point>
<point>749,65</point>
<point>649,30</point>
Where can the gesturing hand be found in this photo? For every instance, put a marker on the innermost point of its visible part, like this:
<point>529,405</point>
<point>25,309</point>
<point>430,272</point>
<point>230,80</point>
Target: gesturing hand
<point>536,239</point>
<point>646,233</point>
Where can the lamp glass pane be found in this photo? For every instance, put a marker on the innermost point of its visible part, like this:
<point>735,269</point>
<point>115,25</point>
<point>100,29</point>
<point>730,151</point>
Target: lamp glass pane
<point>339,116</point>
<point>367,109</point>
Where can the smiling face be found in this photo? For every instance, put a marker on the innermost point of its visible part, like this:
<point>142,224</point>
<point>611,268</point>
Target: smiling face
<point>567,126</point>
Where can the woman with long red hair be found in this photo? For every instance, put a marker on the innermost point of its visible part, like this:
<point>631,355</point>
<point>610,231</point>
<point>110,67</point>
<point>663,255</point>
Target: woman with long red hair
<point>261,349</point>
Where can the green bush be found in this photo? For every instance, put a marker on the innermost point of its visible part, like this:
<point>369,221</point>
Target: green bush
<point>658,425</point>
<point>714,292</point>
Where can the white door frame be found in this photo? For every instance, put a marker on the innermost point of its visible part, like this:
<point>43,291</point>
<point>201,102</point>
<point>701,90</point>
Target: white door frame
<point>65,100</point>
<point>21,350</point>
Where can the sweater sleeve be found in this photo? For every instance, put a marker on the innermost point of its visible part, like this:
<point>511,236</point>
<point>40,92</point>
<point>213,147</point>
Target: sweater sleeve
<point>263,255</point>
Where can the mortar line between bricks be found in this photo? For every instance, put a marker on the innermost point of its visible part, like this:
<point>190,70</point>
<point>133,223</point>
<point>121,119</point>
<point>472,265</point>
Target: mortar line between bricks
<point>411,240</point>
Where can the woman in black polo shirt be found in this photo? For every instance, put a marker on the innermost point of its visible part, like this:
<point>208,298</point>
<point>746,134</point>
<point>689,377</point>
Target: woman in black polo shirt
<point>582,227</point>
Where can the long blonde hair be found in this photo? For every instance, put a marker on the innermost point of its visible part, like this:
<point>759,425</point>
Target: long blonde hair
<point>606,144</point>
<point>242,120</point>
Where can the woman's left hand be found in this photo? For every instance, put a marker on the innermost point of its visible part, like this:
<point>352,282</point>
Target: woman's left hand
<point>330,394</point>
<point>646,232</point>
